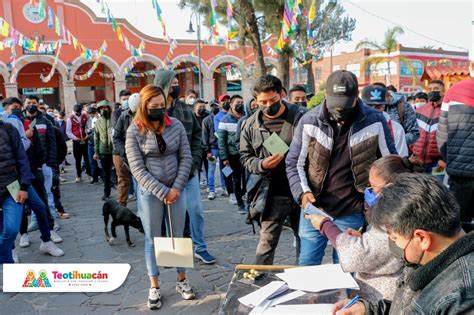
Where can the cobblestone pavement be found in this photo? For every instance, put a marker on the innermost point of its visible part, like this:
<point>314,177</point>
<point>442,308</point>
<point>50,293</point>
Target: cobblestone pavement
<point>228,238</point>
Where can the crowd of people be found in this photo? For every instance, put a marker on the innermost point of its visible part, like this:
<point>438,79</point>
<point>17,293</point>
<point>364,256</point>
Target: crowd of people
<point>395,174</point>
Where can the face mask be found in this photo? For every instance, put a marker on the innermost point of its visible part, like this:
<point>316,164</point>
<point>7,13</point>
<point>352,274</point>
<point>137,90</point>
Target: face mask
<point>342,115</point>
<point>201,111</point>
<point>191,101</point>
<point>51,114</point>
<point>106,113</point>
<point>434,96</point>
<point>400,254</point>
<point>17,112</point>
<point>175,92</point>
<point>370,197</point>
<point>125,105</point>
<point>156,114</point>
<point>304,104</point>
<point>239,108</point>
<point>271,110</point>
<point>60,120</point>
<point>226,106</point>
<point>32,109</point>
<point>419,104</point>
<point>215,110</point>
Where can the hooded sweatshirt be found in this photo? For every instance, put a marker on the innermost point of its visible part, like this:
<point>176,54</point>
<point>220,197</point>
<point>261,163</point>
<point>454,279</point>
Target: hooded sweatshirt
<point>409,117</point>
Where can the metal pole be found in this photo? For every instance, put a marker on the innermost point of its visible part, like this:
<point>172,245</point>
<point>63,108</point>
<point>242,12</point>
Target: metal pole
<point>198,18</point>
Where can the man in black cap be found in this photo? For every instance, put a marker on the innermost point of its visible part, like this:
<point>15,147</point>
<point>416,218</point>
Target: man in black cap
<point>329,159</point>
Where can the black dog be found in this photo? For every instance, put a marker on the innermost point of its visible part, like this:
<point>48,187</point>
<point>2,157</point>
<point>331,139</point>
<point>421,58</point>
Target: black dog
<point>120,216</point>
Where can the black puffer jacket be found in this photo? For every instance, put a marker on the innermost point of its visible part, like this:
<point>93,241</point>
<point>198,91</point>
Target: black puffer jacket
<point>455,135</point>
<point>120,132</point>
<point>46,137</point>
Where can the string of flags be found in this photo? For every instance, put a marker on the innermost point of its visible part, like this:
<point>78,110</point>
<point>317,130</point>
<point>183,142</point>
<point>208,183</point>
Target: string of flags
<point>48,77</point>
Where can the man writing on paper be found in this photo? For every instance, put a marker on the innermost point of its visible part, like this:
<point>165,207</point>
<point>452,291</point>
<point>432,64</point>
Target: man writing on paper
<point>424,230</point>
<point>274,118</point>
<point>329,159</point>
<point>15,178</point>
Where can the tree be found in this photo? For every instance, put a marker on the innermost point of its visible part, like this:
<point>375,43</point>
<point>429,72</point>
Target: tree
<point>388,46</point>
<point>247,25</point>
<point>329,27</point>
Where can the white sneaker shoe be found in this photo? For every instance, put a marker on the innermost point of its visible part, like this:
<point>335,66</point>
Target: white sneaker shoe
<point>55,237</point>
<point>154,298</point>
<point>16,260</point>
<point>78,179</point>
<point>185,290</point>
<point>50,248</point>
<point>24,240</point>
<point>211,196</point>
<point>232,199</point>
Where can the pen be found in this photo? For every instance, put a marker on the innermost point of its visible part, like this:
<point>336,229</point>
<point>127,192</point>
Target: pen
<point>351,302</point>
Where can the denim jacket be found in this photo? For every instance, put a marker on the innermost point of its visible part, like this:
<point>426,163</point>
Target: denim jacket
<point>444,285</point>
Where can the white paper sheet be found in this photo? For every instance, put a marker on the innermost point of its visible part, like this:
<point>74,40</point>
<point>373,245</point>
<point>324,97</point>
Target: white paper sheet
<point>227,171</point>
<point>318,278</point>
<point>299,309</point>
<point>287,297</point>
<point>256,298</point>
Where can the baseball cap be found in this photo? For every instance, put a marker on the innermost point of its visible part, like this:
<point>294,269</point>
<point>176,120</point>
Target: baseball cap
<point>213,102</point>
<point>223,96</point>
<point>374,95</point>
<point>199,100</point>
<point>342,89</point>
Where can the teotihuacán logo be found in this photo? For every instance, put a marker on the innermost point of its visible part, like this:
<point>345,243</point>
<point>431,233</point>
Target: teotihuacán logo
<point>32,282</point>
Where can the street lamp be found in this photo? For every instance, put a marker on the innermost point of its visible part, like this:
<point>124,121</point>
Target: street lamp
<point>190,31</point>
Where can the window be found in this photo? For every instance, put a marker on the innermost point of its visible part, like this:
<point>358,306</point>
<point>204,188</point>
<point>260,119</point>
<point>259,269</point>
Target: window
<point>336,67</point>
<point>381,69</point>
<point>354,68</point>
<point>406,72</point>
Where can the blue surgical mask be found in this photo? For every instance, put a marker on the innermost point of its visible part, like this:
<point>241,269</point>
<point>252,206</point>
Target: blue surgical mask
<point>125,105</point>
<point>370,197</point>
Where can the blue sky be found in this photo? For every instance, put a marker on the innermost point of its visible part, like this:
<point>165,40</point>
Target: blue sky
<point>446,24</point>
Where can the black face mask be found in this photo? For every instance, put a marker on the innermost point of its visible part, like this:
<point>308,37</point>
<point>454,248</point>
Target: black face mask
<point>156,114</point>
<point>202,111</point>
<point>215,110</point>
<point>342,115</point>
<point>32,109</point>
<point>175,92</point>
<point>17,112</point>
<point>400,254</point>
<point>239,108</point>
<point>304,104</point>
<point>271,110</point>
<point>434,96</point>
<point>106,113</point>
<point>226,106</point>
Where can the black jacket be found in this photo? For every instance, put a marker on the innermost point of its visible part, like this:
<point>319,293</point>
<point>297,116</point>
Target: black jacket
<point>445,285</point>
<point>115,115</point>
<point>46,137</point>
<point>13,162</point>
<point>120,132</point>
<point>209,138</point>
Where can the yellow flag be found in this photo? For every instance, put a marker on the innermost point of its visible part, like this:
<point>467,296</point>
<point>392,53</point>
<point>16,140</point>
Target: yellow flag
<point>119,34</point>
<point>74,42</point>
<point>1,46</point>
<point>5,28</point>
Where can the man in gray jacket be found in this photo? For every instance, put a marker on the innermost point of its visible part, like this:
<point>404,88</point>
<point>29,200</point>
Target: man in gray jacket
<point>424,230</point>
<point>167,81</point>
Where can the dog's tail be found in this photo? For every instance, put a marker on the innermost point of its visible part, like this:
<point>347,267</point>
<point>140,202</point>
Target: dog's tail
<point>106,213</point>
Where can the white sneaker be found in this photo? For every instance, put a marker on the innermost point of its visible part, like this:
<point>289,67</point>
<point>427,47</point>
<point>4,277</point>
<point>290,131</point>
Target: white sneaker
<point>55,237</point>
<point>78,179</point>
<point>24,240</point>
<point>50,248</point>
<point>185,290</point>
<point>154,298</point>
<point>16,260</point>
<point>232,199</point>
<point>211,196</point>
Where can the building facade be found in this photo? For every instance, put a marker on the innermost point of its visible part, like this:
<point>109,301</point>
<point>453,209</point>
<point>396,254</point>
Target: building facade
<point>222,70</point>
<point>398,73</point>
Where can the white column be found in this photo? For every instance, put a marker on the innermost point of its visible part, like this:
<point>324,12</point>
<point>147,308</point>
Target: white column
<point>247,86</point>
<point>69,93</point>
<point>208,89</point>
<point>11,89</point>
<point>120,84</point>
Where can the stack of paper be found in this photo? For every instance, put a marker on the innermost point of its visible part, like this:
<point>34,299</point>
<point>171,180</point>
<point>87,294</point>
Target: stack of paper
<point>299,309</point>
<point>265,293</point>
<point>318,278</point>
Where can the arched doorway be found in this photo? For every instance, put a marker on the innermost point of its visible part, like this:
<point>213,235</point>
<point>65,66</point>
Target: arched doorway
<point>141,75</point>
<point>188,76</point>
<point>95,88</point>
<point>227,72</point>
<point>30,83</point>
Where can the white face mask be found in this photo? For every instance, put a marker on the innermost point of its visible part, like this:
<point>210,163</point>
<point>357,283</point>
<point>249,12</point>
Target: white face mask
<point>190,101</point>
<point>419,104</point>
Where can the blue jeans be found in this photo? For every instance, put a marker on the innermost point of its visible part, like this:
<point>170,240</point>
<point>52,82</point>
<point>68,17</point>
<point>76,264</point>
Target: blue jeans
<point>39,210</point>
<point>10,220</point>
<point>211,172</point>
<point>95,170</point>
<point>196,213</point>
<point>48,184</point>
<point>151,211</point>
<point>313,243</point>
